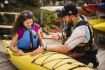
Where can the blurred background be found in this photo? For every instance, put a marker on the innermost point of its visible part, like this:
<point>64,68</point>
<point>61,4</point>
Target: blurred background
<point>44,11</point>
<point>45,16</point>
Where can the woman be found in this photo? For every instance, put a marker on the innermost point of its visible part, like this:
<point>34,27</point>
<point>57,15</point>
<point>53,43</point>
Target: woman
<point>27,36</point>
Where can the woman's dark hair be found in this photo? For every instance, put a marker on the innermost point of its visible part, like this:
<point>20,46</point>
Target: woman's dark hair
<point>26,14</point>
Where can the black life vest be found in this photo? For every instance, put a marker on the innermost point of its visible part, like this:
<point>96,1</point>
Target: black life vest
<point>83,47</point>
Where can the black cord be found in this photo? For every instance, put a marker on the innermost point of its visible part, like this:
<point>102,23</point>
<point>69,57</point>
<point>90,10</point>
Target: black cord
<point>79,66</point>
<point>55,65</point>
<point>40,56</point>
<point>55,59</point>
<point>59,62</point>
<point>46,59</point>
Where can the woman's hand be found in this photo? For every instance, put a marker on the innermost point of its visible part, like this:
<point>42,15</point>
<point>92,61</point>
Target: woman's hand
<point>16,51</point>
<point>20,53</point>
<point>37,51</point>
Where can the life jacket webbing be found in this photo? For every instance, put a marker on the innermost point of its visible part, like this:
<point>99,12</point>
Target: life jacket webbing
<point>87,46</point>
<point>31,39</point>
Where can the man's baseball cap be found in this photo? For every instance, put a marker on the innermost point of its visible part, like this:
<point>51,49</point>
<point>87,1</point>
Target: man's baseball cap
<point>69,9</point>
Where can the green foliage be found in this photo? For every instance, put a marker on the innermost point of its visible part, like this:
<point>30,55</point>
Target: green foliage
<point>34,6</point>
<point>31,2</point>
<point>48,17</point>
<point>49,21</point>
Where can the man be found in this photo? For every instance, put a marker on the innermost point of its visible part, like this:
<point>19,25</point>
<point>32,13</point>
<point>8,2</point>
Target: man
<point>79,34</point>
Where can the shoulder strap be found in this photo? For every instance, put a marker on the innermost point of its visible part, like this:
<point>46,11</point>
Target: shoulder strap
<point>83,22</point>
<point>89,44</point>
<point>31,39</point>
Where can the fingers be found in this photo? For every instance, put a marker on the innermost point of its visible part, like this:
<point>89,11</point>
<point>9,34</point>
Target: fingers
<point>37,51</point>
<point>55,37</point>
<point>32,54</point>
<point>20,53</point>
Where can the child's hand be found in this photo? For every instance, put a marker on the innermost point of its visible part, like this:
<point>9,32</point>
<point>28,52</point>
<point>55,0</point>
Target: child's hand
<point>20,53</point>
<point>37,51</point>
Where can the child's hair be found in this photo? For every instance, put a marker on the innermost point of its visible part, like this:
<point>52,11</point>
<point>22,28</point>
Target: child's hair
<point>26,14</point>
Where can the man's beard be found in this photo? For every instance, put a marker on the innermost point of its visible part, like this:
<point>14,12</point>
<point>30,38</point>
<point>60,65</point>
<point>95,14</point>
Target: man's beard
<point>70,22</point>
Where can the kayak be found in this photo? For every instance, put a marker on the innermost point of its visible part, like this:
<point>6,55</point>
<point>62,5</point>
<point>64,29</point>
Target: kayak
<point>44,61</point>
<point>94,8</point>
<point>100,27</point>
<point>91,9</point>
<point>102,5</point>
<point>96,21</point>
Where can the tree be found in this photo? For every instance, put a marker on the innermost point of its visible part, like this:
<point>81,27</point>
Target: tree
<point>35,3</point>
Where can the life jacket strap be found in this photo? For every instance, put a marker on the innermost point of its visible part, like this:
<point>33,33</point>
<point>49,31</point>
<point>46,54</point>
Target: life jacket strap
<point>31,39</point>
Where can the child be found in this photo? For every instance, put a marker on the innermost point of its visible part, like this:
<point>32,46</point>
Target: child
<point>27,36</point>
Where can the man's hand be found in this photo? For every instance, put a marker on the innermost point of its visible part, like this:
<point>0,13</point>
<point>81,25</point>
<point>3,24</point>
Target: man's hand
<point>37,51</point>
<point>55,37</point>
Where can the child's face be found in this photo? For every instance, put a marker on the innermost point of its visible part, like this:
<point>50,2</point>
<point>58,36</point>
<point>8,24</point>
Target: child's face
<point>28,23</point>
